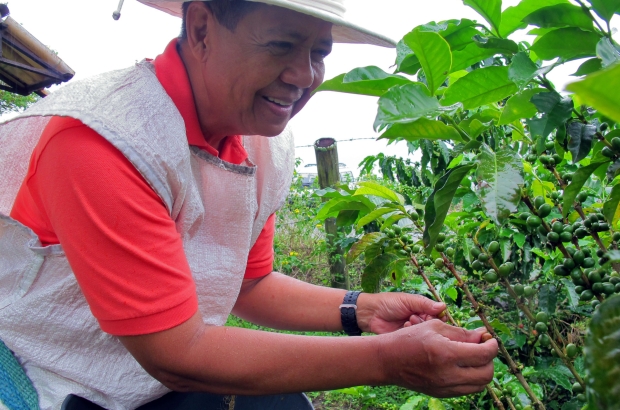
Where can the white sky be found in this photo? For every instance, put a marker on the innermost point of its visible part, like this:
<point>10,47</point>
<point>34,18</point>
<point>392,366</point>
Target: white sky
<point>91,42</point>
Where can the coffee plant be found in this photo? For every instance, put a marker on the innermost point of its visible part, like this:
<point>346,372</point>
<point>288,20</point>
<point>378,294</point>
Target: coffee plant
<point>511,215</point>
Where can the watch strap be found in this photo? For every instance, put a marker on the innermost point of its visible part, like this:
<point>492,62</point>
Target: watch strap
<point>348,314</point>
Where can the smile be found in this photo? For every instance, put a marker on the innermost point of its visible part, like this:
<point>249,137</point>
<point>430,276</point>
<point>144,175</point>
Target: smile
<point>279,102</point>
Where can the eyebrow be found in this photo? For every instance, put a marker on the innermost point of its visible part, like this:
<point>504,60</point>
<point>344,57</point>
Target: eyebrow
<point>296,35</point>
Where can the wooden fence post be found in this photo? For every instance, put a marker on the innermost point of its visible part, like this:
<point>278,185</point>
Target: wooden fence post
<point>326,152</point>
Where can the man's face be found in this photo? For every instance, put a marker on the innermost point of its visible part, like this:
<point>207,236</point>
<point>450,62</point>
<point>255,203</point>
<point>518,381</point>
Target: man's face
<point>259,76</point>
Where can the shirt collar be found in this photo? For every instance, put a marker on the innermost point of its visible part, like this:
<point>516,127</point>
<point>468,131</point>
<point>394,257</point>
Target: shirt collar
<point>171,73</point>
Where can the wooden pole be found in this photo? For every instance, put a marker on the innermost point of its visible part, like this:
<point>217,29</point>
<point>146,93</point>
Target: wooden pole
<point>326,152</point>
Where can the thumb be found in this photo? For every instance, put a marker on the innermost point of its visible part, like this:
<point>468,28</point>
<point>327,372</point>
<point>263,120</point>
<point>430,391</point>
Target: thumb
<point>459,334</point>
<point>423,305</point>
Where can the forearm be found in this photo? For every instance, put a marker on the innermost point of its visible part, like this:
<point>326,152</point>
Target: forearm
<point>281,302</point>
<point>229,360</point>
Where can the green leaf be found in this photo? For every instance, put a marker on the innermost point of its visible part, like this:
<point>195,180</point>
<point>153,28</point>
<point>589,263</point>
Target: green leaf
<point>547,299</point>
<point>434,55</point>
<point>470,55</point>
<point>483,86</point>
<point>611,207</point>
<point>560,15</point>
<point>490,10</point>
<point>365,81</point>
<point>566,43</point>
<point>601,355</point>
<point>519,107</point>
<point>500,327</point>
<point>512,17</point>
<point>438,203</point>
<point>374,215</point>
<point>557,110</point>
<point>605,8</point>
<point>422,129</point>
<point>376,271</point>
<point>461,35</point>
<point>500,177</point>
<point>579,179</point>
<point>560,375</point>
<point>580,142</point>
<point>522,70</point>
<point>573,297</point>
<point>406,61</point>
<point>589,66</point>
<point>607,52</point>
<point>519,239</point>
<point>372,188</point>
<point>435,404</point>
<point>600,90</point>
<point>502,46</point>
<point>360,246</point>
<point>407,103</point>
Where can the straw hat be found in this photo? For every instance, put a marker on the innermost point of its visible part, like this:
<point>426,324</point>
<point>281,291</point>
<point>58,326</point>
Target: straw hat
<point>328,10</point>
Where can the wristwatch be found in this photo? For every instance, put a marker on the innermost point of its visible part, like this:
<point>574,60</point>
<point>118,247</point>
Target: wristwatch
<point>347,314</point>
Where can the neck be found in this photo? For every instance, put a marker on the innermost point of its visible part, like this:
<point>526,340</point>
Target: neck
<point>211,131</point>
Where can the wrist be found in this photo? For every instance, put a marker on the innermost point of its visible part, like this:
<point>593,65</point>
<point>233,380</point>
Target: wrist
<point>366,308</point>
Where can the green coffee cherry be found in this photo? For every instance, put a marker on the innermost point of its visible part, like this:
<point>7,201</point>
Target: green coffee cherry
<point>586,295</point>
<point>553,237</point>
<point>519,289</point>
<point>533,221</point>
<point>607,152</point>
<point>493,247</point>
<point>439,263</point>
<point>491,276</point>
<point>542,317</point>
<point>541,327</point>
<point>582,196</point>
<point>544,210</point>
<point>571,351</point>
<point>529,291</point>
<point>538,201</point>
<point>566,237</point>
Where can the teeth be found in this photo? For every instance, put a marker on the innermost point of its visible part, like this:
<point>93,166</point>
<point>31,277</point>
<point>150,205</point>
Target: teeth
<point>279,102</point>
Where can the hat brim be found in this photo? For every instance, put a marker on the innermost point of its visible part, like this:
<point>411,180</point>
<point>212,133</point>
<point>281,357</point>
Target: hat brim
<point>342,32</point>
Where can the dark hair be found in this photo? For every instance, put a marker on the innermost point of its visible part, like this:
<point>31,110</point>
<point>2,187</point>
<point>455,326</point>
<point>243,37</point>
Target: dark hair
<point>227,12</point>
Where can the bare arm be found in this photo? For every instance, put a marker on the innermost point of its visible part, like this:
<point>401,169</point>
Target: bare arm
<point>281,302</point>
<point>431,357</point>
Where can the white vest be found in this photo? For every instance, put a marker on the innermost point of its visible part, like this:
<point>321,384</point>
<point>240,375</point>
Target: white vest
<point>219,209</point>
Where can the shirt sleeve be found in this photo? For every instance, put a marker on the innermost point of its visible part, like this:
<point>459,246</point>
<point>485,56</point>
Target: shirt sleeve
<point>260,259</point>
<point>118,237</point>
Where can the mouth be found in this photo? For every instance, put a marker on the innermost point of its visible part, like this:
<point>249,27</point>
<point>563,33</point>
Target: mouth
<point>279,102</point>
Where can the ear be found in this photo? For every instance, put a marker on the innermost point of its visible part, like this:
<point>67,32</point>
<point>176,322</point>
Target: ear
<point>198,21</point>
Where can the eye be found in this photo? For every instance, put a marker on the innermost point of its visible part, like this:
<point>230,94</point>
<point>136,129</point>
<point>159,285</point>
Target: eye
<point>280,47</point>
<point>320,54</point>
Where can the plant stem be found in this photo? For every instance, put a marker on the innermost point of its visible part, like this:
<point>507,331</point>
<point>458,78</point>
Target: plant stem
<point>496,399</point>
<point>432,288</point>
<point>478,308</point>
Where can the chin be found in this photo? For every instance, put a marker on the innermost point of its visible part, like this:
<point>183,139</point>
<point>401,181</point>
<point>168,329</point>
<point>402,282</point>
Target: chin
<point>271,130</point>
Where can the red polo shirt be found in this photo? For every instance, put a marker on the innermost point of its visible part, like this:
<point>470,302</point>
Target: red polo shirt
<point>122,245</point>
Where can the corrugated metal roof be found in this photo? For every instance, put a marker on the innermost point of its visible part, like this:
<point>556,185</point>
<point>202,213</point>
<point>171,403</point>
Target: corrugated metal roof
<point>26,65</point>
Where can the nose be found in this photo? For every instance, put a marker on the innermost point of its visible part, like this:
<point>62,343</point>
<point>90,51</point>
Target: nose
<point>299,71</point>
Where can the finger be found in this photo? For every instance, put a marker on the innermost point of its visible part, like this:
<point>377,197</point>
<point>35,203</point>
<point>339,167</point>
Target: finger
<point>423,305</point>
<point>416,320</point>
<point>407,324</point>
<point>458,334</point>
<point>476,355</point>
<point>456,391</point>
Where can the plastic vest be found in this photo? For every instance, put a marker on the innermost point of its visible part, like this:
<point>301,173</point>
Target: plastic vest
<point>219,209</point>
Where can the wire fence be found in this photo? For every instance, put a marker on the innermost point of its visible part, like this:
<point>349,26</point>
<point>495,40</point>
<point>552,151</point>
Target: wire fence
<point>337,141</point>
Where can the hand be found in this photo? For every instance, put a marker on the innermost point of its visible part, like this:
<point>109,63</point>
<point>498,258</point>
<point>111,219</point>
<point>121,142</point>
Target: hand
<point>439,360</point>
<point>388,312</point>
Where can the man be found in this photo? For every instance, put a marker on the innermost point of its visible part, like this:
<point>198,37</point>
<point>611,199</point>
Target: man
<point>139,219</point>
